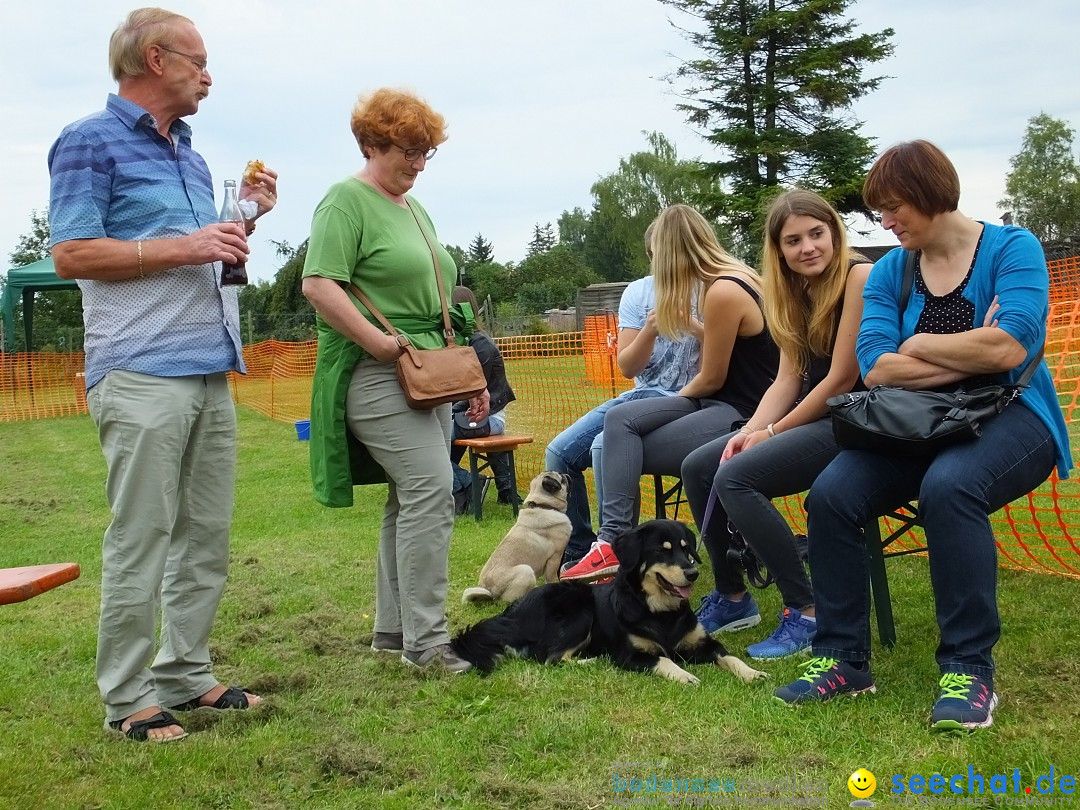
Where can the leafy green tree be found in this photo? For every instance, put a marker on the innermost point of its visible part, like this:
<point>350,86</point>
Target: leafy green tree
<point>480,251</point>
<point>291,316</point>
<point>1043,188</point>
<point>552,279</point>
<point>254,302</point>
<point>573,226</point>
<point>33,245</point>
<point>773,90</point>
<point>58,324</point>
<point>493,279</point>
<point>628,199</point>
<point>543,239</point>
<point>461,260</point>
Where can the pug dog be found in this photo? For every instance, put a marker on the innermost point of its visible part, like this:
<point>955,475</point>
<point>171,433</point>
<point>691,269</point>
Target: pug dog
<point>532,548</point>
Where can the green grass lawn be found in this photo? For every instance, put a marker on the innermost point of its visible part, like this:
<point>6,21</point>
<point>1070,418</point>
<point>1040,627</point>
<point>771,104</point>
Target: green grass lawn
<point>347,728</point>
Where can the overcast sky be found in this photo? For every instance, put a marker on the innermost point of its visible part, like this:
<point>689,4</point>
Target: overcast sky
<point>541,98</point>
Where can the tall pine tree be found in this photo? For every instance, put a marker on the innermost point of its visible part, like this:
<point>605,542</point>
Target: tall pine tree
<point>542,241</point>
<point>772,90</point>
<point>480,251</point>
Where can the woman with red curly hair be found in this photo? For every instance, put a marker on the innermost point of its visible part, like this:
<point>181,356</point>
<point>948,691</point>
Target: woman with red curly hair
<point>369,232</point>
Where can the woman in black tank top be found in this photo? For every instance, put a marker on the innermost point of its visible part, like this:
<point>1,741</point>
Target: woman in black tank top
<point>738,362</point>
<point>813,303</point>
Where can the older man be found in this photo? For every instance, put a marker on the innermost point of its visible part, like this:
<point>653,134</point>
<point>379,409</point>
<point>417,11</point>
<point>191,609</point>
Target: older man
<point>132,218</point>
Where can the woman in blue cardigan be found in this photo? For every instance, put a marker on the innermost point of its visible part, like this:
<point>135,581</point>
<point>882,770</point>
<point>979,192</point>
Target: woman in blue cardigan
<point>976,313</point>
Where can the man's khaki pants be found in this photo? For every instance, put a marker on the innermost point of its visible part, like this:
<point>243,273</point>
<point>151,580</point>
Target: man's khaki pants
<point>170,446</point>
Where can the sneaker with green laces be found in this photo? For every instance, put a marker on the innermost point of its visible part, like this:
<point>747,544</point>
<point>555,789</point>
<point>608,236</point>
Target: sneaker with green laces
<point>826,678</point>
<point>965,703</point>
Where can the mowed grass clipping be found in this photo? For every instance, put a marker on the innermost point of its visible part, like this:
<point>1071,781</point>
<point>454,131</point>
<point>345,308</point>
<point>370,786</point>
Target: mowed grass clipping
<point>347,728</point>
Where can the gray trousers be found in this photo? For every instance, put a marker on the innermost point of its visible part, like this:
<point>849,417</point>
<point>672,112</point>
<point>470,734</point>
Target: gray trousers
<point>649,436</point>
<point>170,447</point>
<point>746,483</point>
<point>412,576</point>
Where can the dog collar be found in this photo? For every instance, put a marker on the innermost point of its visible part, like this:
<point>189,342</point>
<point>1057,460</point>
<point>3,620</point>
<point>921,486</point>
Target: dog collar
<point>535,505</point>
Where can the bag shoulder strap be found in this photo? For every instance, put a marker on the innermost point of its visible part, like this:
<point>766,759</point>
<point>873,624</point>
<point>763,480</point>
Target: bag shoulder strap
<point>1029,369</point>
<point>363,299</point>
<point>907,281</point>
<point>448,329</point>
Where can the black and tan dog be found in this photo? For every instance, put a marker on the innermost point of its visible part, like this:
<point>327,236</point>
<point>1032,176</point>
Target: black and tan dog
<point>642,620</point>
<point>532,548</point>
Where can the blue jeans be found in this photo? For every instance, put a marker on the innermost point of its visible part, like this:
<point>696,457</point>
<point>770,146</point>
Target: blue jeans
<point>746,484</point>
<point>500,462</point>
<point>570,453</point>
<point>958,489</point>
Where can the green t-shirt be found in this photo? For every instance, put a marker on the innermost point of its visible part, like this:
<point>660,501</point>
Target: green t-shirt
<point>359,236</point>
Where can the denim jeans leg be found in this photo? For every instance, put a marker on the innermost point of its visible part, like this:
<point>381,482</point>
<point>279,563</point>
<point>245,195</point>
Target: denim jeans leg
<point>853,489</point>
<point>568,453</point>
<point>963,486</point>
<point>500,462</point>
<point>597,454</point>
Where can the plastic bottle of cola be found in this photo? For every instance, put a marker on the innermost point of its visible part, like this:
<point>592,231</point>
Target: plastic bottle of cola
<point>230,212</point>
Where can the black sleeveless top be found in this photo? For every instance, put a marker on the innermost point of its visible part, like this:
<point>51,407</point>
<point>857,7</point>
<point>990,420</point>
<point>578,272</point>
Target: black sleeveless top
<point>752,367</point>
<point>818,368</point>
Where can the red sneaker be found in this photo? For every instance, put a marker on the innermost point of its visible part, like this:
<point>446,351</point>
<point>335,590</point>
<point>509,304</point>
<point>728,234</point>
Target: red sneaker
<point>600,562</point>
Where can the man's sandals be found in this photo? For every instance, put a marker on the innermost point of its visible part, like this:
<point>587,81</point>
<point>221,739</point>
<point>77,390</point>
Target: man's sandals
<point>138,730</point>
<point>231,698</point>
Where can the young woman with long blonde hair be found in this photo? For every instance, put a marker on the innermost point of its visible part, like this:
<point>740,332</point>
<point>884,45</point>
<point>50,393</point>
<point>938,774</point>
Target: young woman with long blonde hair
<point>738,363</point>
<point>813,303</point>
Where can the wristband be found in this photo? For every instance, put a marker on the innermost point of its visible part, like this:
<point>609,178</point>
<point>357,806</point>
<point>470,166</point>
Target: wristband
<point>770,429</point>
<point>142,274</point>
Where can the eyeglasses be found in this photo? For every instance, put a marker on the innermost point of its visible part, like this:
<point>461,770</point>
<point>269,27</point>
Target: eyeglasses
<point>200,64</point>
<point>416,154</point>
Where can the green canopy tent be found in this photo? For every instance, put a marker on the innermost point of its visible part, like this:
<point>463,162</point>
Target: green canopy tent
<point>23,282</point>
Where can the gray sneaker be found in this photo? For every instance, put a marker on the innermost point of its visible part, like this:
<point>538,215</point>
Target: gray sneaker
<point>388,642</point>
<point>441,655</point>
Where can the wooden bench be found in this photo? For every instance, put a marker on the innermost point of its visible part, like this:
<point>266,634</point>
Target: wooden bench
<point>479,450</point>
<point>20,584</point>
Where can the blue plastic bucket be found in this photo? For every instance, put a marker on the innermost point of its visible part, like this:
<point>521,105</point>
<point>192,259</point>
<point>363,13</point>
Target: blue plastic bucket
<point>303,430</point>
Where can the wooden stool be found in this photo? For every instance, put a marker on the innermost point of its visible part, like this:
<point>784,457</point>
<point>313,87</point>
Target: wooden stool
<point>479,461</point>
<point>20,584</point>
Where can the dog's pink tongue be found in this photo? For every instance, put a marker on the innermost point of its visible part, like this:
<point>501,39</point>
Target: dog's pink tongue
<point>683,591</point>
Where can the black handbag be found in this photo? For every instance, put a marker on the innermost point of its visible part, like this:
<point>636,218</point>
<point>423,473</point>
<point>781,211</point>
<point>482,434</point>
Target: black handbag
<point>465,428</point>
<point>904,422</point>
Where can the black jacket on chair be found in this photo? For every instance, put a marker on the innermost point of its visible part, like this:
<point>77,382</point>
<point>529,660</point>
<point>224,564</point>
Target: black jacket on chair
<point>491,360</point>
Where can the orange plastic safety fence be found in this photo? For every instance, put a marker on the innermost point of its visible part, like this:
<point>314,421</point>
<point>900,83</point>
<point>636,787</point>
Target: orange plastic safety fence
<point>38,385</point>
<point>559,377</point>
<point>278,379</point>
<point>1064,279</point>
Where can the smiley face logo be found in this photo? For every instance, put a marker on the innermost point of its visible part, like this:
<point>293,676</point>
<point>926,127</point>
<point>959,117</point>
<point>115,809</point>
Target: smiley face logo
<point>862,784</point>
